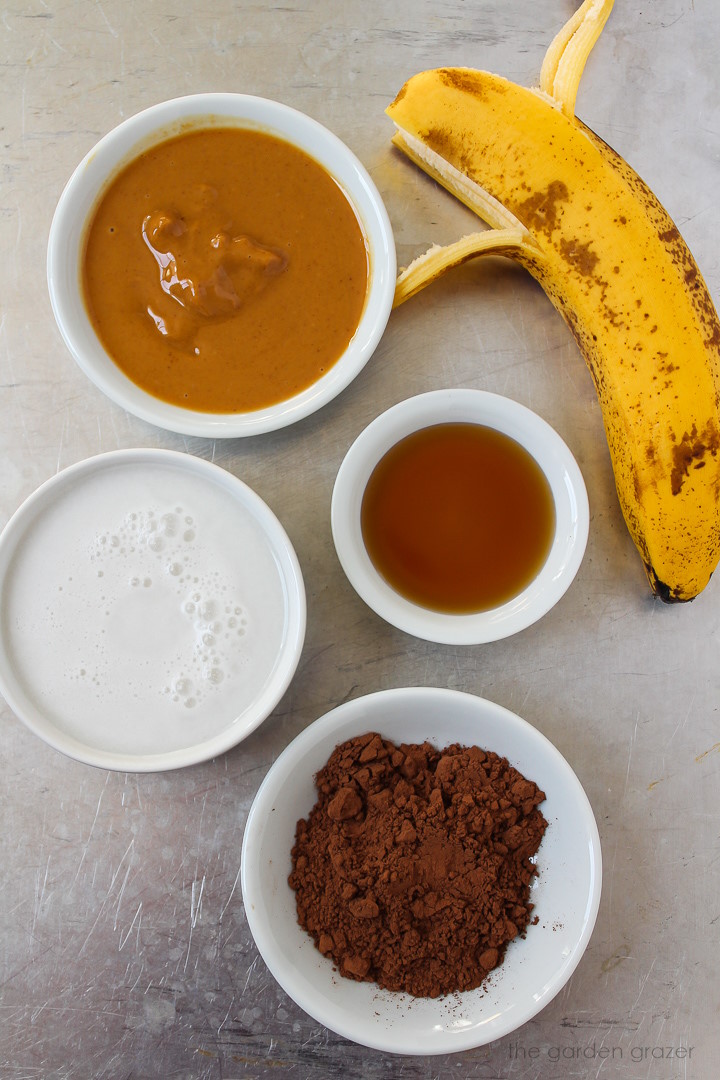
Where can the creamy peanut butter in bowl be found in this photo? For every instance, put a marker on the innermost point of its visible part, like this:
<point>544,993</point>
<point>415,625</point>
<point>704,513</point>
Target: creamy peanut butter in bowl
<point>221,265</point>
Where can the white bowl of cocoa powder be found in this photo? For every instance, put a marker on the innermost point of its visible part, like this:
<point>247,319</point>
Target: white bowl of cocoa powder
<point>421,871</point>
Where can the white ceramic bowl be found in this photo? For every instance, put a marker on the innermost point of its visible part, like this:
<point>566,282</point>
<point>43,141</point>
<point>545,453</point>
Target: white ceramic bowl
<point>153,611</point>
<point>555,460</point>
<point>566,892</point>
<point>135,135</point>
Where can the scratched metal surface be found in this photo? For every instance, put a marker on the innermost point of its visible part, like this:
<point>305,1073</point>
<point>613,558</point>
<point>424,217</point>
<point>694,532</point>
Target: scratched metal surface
<point>124,949</point>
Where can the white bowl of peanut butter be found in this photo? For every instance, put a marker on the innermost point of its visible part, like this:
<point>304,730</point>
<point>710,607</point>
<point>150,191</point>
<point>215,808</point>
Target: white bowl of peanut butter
<point>221,265</point>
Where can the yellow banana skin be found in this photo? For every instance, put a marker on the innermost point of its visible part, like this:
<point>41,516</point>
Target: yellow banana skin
<point>574,213</point>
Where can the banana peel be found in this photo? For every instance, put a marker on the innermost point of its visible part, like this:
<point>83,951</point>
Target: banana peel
<point>564,205</point>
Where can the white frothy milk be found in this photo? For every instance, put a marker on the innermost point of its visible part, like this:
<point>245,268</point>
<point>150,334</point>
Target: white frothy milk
<point>144,609</point>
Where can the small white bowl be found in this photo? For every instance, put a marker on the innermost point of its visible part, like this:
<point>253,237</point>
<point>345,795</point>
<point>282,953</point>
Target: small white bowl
<point>545,446</point>
<point>566,891</point>
<point>136,134</point>
<point>153,611</point>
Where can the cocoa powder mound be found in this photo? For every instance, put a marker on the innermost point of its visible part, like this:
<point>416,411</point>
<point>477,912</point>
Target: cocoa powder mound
<point>413,869</point>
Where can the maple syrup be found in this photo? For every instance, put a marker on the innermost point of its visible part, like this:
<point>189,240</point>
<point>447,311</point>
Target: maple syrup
<point>458,517</point>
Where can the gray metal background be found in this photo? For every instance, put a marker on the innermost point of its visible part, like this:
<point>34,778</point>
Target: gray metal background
<point>124,950</point>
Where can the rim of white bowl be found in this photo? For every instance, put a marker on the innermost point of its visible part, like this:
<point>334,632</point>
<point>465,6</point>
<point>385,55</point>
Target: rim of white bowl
<point>154,124</point>
<point>538,438</point>
<point>309,751</point>
<point>253,712</point>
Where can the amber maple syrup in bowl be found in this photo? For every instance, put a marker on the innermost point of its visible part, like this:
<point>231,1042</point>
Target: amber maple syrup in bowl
<point>460,516</point>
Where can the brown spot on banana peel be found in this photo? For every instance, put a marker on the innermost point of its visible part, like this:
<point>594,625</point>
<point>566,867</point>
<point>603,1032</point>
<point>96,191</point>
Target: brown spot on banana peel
<point>580,257</point>
<point>541,212</point>
<point>464,79</point>
<point>692,452</point>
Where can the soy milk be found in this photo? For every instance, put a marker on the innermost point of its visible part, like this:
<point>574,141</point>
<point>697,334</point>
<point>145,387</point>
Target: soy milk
<point>144,609</point>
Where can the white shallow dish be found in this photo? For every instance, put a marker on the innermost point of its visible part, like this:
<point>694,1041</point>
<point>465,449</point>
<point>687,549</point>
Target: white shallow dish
<point>566,892</point>
<point>530,431</point>
<point>155,124</point>
<point>152,610</point>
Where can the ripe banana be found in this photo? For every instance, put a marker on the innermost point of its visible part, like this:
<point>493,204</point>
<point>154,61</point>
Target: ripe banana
<point>564,205</point>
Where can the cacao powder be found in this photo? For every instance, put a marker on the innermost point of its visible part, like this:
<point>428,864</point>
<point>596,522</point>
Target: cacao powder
<point>413,869</point>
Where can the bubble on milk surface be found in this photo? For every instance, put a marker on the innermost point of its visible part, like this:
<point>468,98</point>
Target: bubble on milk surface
<point>148,539</point>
